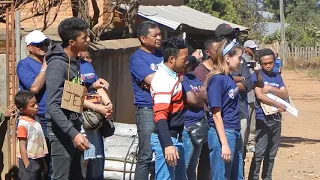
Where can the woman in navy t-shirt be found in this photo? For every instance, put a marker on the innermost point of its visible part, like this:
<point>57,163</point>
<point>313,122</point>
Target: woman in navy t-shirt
<point>224,135</point>
<point>94,157</point>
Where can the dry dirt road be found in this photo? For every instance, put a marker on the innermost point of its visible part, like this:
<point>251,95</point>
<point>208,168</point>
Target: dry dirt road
<point>299,153</point>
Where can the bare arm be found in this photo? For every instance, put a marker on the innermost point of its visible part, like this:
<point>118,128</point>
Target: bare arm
<point>282,92</point>
<point>218,123</point>
<point>237,79</point>
<point>23,151</point>
<point>105,97</point>
<point>240,86</point>
<point>259,78</point>
<point>103,110</point>
<point>264,99</point>
<point>194,100</point>
<point>39,80</point>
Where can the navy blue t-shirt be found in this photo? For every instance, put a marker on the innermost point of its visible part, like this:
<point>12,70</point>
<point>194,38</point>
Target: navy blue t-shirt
<point>143,64</point>
<point>88,75</point>
<point>223,93</point>
<point>192,114</point>
<point>27,71</point>
<point>275,80</point>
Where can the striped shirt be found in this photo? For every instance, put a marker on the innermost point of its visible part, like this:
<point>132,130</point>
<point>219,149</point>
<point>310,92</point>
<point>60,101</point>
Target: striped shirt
<point>167,95</point>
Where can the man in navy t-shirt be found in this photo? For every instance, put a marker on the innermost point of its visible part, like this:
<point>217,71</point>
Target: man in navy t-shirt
<point>31,72</point>
<point>268,127</point>
<point>143,64</point>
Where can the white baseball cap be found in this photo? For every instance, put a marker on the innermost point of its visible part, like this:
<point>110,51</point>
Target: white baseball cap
<point>35,36</point>
<point>250,44</point>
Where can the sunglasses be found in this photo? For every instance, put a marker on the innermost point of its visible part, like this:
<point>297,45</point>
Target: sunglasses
<point>45,43</point>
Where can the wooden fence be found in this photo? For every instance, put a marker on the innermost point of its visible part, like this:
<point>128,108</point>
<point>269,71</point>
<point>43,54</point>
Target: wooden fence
<point>111,62</point>
<point>303,53</point>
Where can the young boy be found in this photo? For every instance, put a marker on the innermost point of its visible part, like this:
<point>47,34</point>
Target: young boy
<point>31,141</point>
<point>268,127</point>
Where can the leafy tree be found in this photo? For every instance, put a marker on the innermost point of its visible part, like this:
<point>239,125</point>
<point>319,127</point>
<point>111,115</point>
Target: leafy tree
<point>223,9</point>
<point>243,12</point>
<point>304,25</point>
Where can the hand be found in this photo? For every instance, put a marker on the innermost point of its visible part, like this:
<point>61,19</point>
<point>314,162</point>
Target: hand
<point>267,88</point>
<point>202,93</point>
<point>44,64</point>
<point>257,67</point>
<point>11,111</point>
<point>109,113</point>
<point>103,110</point>
<point>145,86</point>
<point>81,142</point>
<point>171,155</point>
<point>282,108</point>
<point>100,83</point>
<point>226,153</point>
<point>109,106</point>
<point>197,54</point>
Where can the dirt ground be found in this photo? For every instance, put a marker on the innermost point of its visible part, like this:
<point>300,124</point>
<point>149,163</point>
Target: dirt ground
<point>299,153</point>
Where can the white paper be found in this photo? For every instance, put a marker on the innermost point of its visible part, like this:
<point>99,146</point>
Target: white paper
<point>288,106</point>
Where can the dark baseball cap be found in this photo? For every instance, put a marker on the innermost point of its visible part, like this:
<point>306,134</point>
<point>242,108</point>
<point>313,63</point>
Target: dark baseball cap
<point>224,30</point>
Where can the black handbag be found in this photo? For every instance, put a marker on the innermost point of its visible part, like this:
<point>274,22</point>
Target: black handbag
<point>198,132</point>
<point>107,128</point>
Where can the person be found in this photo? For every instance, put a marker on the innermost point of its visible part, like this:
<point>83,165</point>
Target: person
<point>201,72</point>
<point>168,104</point>
<point>31,141</point>
<point>204,68</point>
<point>249,55</point>
<point>194,112</point>
<point>277,64</point>
<point>94,157</point>
<point>10,111</point>
<point>224,139</point>
<point>64,126</point>
<point>143,64</point>
<point>242,78</point>
<point>225,31</point>
<point>31,73</point>
<point>268,126</point>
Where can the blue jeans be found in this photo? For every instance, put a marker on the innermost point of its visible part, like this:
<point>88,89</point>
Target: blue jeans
<point>145,127</point>
<point>191,155</point>
<point>43,122</point>
<point>162,170</point>
<point>220,169</point>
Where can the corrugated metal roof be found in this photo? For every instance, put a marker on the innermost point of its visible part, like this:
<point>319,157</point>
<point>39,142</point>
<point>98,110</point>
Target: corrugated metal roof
<point>116,44</point>
<point>272,27</point>
<point>174,16</point>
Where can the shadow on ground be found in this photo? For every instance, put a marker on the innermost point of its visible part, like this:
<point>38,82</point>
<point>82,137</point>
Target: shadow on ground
<point>291,141</point>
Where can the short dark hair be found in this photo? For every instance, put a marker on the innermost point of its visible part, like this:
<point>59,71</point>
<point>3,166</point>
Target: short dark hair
<point>172,46</point>
<point>22,98</point>
<point>208,43</point>
<point>265,52</point>
<point>70,28</point>
<point>143,28</point>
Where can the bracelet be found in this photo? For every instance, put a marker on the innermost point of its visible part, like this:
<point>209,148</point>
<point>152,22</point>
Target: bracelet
<point>108,103</point>
<point>42,70</point>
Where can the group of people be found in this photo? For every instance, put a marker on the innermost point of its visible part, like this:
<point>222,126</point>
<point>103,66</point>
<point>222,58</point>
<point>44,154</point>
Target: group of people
<point>193,112</point>
<point>52,141</point>
<point>196,113</point>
